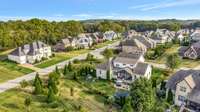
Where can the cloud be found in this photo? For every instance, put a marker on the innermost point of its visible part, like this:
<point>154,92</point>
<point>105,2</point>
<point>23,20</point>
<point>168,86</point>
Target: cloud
<point>165,4</point>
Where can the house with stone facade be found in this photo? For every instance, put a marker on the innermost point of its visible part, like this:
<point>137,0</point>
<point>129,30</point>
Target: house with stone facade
<point>185,86</point>
<point>30,53</point>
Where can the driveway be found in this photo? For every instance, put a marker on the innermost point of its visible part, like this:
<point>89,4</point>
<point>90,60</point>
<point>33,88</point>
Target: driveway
<point>15,82</point>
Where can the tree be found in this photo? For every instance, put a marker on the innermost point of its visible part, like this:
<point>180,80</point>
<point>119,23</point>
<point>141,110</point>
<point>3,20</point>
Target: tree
<point>65,70</point>
<point>37,78</point>
<point>173,61</point>
<point>127,106</point>
<point>142,95</point>
<point>24,84</point>
<point>108,53</point>
<point>72,91</point>
<point>108,75</point>
<point>38,87</point>
<point>69,66</point>
<point>89,57</point>
<point>57,70</point>
<point>52,85</point>
<point>51,96</point>
<point>170,97</point>
<point>27,103</point>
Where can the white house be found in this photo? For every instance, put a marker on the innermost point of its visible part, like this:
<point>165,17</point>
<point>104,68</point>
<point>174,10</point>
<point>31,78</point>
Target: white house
<point>84,40</point>
<point>30,53</point>
<point>125,68</point>
<point>109,35</point>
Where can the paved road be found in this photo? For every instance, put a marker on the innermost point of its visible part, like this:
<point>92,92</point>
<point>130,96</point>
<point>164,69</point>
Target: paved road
<point>14,83</point>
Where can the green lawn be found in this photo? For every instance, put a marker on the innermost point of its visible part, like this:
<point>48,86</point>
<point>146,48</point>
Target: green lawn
<point>162,59</point>
<point>61,56</point>
<point>9,70</point>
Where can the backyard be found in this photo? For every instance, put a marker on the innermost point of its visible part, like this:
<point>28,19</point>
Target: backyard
<point>189,63</point>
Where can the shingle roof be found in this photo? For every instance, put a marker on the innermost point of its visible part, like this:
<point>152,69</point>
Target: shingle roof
<point>30,49</point>
<point>141,68</point>
<point>177,77</point>
<point>105,66</point>
<point>193,80</point>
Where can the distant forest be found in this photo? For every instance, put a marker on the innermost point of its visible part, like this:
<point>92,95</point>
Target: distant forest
<point>17,33</point>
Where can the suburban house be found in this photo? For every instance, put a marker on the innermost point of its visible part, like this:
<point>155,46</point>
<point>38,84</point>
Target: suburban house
<point>109,35</point>
<point>62,45</point>
<point>162,35</point>
<point>133,46</point>
<point>191,52</point>
<point>125,68</point>
<point>84,41</point>
<point>185,85</point>
<point>179,36</point>
<point>195,36</point>
<point>148,42</point>
<point>131,33</point>
<point>97,37</point>
<point>30,53</point>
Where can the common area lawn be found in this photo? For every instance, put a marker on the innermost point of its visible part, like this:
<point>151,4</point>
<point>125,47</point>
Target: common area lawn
<point>13,100</point>
<point>10,70</point>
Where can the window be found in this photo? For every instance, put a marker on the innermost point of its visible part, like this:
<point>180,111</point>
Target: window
<point>181,98</point>
<point>100,72</point>
<point>183,89</point>
<point>117,65</point>
<point>132,65</point>
<point>124,64</point>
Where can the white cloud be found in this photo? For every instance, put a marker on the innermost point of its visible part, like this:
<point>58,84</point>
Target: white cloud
<point>165,4</point>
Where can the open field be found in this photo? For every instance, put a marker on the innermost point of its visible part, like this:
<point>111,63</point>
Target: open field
<point>13,100</point>
<point>9,70</point>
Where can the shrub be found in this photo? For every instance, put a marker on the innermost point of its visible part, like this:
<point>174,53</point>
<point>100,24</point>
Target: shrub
<point>24,84</point>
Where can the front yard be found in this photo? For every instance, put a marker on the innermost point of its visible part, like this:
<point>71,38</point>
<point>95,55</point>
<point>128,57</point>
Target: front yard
<point>62,56</point>
<point>9,70</point>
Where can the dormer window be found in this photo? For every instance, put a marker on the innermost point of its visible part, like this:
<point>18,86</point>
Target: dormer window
<point>183,89</point>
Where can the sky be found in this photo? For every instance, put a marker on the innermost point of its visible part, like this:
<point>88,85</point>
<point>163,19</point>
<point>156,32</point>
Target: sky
<point>61,10</point>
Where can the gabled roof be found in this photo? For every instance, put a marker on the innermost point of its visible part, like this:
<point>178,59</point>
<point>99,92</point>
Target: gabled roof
<point>141,68</point>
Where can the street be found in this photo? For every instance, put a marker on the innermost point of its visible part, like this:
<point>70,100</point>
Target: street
<point>15,82</point>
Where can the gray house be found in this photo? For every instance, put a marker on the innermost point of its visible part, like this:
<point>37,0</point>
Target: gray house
<point>191,52</point>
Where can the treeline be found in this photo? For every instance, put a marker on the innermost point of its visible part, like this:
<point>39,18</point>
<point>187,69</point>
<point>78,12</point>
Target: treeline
<point>17,33</point>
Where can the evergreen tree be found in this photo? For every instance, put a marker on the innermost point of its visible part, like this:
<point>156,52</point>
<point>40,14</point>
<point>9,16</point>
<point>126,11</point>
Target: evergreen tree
<point>108,75</point>
<point>37,78</point>
<point>27,103</point>
<point>38,87</point>
<point>72,91</point>
<point>57,70</point>
<point>69,66</point>
<point>75,76</point>
<point>51,96</point>
<point>52,84</point>
<point>170,97</point>
<point>127,106</point>
<point>65,70</point>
